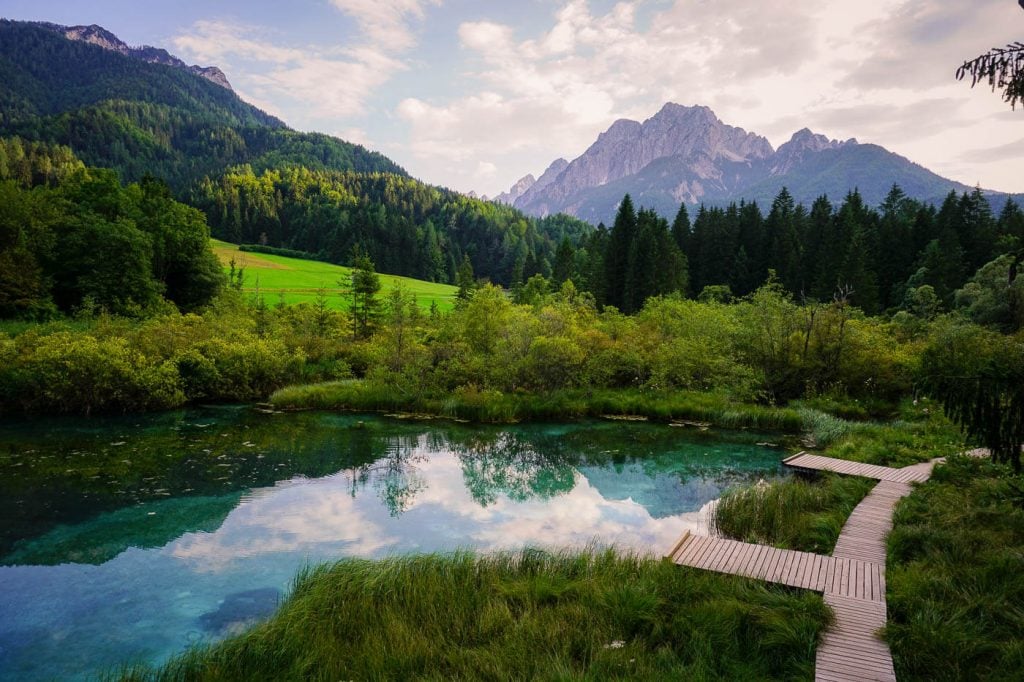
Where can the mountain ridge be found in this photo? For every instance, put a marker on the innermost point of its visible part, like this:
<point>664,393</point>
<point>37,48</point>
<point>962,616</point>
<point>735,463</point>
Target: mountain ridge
<point>686,154</point>
<point>101,37</point>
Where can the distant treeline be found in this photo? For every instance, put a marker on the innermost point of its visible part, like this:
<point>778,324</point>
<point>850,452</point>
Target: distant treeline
<point>287,253</point>
<point>874,258</point>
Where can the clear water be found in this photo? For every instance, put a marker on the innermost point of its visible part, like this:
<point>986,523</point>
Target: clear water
<point>128,540</point>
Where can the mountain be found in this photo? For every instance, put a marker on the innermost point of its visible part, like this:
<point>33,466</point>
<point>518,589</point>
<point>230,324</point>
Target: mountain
<point>518,189</point>
<point>141,111</point>
<point>97,35</point>
<point>686,154</point>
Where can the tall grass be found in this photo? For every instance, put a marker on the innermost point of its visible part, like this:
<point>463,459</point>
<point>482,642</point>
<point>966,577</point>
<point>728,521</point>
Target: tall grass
<point>791,514</point>
<point>956,576</point>
<point>497,407</point>
<point>529,615</point>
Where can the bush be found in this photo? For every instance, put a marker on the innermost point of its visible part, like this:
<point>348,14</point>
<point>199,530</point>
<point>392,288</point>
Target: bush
<point>65,372</point>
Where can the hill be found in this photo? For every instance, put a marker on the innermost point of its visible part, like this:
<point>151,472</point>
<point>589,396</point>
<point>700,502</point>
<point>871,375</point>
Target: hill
<point>141,117</point>
<point>295,280</point>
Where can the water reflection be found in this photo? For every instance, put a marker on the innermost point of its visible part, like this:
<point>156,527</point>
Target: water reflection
<point>131,539</point>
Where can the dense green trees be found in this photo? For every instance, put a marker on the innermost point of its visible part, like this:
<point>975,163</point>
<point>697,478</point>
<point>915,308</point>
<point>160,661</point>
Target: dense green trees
<point>406,227</point>
<point>869,257</point>
<point>979,377</point>
<point>72,238</point>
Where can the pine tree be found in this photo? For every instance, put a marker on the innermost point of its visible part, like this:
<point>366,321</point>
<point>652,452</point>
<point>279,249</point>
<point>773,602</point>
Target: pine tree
<point>782,237</point>
<point>365,286</point>
<point>565,261</point>
<point>465,282</point>
<point>620,241</point>
<point>895,245</point>
<point>681,229</point>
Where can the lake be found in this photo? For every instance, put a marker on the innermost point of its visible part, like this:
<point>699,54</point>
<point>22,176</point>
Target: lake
<point>128,539</point>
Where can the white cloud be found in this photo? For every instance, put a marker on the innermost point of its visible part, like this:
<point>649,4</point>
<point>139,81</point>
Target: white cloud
<point>879,70</point>
<point>331,82</point>
<point>386,22</point>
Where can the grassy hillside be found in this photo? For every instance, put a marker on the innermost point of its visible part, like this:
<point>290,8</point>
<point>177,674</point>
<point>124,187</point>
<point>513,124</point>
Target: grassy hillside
<point>296,281</point>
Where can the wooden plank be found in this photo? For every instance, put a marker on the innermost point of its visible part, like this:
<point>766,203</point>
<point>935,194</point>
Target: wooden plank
<point>692,547</point>
<point>747,569</point>
<point>685,536</point>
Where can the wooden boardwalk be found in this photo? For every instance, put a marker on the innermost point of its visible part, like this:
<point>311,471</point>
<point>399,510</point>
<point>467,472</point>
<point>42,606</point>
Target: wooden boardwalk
<point>848,578</point>
<point>807,462</point>
<point>852,579</point>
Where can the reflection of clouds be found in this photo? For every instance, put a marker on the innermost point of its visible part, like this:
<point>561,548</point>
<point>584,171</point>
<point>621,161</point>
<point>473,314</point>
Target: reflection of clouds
<point>331,517</point>
<point>297,516</point>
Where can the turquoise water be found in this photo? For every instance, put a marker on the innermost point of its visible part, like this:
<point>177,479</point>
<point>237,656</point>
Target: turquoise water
<point>127,540</point>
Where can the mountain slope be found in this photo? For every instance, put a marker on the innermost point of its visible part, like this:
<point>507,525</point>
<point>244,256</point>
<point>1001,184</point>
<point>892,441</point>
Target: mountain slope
<point>138,117</point>
<point>686,154</point>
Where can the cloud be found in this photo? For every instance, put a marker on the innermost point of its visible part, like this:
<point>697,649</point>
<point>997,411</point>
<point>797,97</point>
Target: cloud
<point>919,43</point>
<point>1011,151</point>
<point>386,23</point>
<point>330,83</point>
<point>333,82</point>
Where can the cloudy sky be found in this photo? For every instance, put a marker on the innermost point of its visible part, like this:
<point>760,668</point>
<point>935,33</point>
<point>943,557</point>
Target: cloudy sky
<point>473,94</point>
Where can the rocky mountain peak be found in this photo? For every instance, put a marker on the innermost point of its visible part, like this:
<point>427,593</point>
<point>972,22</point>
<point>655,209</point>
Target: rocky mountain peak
<point>517,190</point>
<point>101,37</point>
<point>692,135</point>
<point>802,143</point>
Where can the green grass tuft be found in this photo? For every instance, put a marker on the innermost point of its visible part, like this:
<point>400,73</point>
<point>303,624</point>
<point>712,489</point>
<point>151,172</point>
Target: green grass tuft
<point>790,514</point>
<point>528,615</point>
<point>497,407</point>
<point>956,576</point>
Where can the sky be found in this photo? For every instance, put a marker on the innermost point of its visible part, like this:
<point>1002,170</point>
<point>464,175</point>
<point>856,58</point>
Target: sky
<point>474,94</point>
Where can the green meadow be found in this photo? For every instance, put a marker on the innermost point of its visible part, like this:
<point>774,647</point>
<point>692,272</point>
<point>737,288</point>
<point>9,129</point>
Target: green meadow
<point>294,280</point>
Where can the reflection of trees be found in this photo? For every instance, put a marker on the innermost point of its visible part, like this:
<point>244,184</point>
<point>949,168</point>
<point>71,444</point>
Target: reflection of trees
<point>392,471</point>
<point>506,462</point>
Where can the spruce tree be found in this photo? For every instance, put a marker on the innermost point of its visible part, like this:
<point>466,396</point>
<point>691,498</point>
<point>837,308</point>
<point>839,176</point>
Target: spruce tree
<point>681,228</point>
<point>616,259</point>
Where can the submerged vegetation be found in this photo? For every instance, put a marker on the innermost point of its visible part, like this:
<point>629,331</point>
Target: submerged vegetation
<point>529,615</point>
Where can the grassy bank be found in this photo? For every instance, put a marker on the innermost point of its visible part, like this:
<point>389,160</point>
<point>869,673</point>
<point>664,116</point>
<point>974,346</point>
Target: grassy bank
<point>519,616</point>
<point>498,407</point>
<point>956,576</point>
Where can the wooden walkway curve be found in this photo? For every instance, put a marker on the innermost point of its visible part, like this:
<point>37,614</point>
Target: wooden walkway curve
<point>852,579</point>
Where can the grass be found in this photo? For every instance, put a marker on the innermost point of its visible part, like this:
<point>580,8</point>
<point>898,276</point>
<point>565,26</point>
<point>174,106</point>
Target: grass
<point>919,433</point>
<point>497,407</point>
<point>956,576</point>
<point>791,514</point>
<point>529,615</point>
<point>295,280</point>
